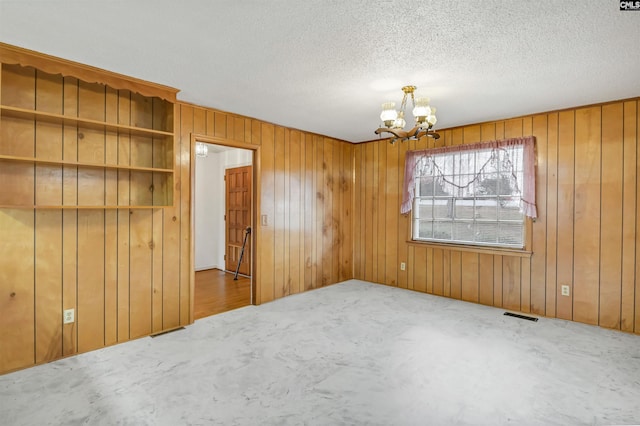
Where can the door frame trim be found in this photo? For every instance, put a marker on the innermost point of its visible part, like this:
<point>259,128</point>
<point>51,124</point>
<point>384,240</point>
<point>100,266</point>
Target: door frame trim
<point>255,213</point>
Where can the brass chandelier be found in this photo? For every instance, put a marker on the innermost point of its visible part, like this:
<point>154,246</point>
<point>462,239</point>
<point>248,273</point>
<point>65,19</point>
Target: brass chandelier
<point>394,122</point>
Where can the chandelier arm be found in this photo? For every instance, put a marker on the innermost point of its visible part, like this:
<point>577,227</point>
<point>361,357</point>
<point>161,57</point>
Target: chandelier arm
<point>399,134</point>
<point>414,133</point>
<point>428,133</point>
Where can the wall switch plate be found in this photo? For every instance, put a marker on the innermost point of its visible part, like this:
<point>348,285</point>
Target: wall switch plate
<point>403,266</point>
<point>69,316</point>
<point>565,290</point>
<point>263,220</point>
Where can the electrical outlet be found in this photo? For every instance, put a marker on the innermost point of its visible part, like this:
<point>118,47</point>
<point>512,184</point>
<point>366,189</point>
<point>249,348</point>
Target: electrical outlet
<point>565,290</point>
<point>403,266</point>
<point>69,316</point>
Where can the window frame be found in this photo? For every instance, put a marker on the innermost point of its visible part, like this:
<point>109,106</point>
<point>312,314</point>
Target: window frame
<point>478,247</point>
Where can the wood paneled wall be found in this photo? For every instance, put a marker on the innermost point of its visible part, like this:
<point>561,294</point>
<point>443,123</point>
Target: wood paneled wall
<point>127,272</point>
<point>306,194</point>
<point>588,173</point>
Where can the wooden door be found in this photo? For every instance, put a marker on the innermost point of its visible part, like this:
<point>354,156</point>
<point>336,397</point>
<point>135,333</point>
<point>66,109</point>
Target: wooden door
<point>238,218</point>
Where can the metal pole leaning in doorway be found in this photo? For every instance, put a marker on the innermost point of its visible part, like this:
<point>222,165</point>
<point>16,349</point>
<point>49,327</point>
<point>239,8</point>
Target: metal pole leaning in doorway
<point>246,235</point>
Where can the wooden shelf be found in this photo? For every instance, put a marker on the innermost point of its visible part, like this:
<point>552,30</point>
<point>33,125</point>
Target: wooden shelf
<point>140,153</point>
<point>137,207</point>
<point>22,113</point>
<point>81,164</point>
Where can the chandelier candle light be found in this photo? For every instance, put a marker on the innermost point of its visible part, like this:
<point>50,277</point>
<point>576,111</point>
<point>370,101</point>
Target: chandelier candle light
<point>394,122</point>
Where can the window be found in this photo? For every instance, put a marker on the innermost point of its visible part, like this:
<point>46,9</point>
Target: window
<point>473,194</point>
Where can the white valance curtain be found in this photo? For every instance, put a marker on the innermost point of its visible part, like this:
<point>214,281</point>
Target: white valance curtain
<point>462,167</point>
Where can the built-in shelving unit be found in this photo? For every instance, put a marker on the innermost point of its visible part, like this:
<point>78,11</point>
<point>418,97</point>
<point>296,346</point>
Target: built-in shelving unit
<point>88,209</point>
<point>67,143</point>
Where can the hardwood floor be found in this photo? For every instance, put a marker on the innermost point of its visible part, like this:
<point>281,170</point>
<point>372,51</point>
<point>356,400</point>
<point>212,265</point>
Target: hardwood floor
<point>217,292</point>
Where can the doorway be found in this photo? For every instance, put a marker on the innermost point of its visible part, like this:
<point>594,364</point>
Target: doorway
<point>223,216</point>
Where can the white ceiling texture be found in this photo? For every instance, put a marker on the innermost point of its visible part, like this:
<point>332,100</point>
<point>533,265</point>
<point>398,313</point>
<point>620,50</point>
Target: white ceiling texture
<point>325,66</point>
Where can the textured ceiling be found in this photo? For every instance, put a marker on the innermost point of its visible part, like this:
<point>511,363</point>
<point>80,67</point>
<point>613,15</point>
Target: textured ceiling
<point>325,66</point>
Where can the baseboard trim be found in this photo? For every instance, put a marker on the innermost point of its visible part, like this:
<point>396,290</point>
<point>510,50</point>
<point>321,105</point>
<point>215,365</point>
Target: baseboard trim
<point>207,268</point>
